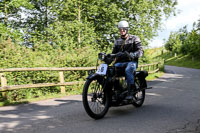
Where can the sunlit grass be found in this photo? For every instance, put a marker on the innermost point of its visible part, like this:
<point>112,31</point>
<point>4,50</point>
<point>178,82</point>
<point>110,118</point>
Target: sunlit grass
<point>184,61</point>
<point>154,76</point>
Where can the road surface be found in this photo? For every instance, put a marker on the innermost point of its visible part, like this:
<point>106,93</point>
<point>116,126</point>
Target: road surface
<point>172,106</point>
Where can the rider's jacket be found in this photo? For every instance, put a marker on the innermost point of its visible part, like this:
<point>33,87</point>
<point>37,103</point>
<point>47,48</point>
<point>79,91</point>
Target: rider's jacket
<point>132,45</point>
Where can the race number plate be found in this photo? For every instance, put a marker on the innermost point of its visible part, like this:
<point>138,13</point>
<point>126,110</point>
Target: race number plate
<point>102,69</point>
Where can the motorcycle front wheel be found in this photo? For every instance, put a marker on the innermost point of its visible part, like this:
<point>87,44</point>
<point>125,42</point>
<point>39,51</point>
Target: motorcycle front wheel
<point>95,99</point>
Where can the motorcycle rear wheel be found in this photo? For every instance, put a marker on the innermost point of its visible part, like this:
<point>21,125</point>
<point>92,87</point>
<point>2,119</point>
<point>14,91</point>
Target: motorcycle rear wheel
<point>139,96</point>
<point>95,99</point>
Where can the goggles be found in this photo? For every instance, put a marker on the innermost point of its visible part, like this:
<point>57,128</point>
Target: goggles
<point>123,29</point>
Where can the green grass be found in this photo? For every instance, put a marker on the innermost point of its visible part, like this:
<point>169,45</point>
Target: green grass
<point>184,61</point>
<point>159,54</point>
<point>154,76</point>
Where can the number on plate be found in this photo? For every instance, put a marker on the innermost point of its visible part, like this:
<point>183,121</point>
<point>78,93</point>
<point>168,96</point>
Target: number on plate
<point>102,69</point>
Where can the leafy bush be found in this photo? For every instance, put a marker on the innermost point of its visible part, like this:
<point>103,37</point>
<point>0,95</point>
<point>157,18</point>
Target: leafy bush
<point>43,55</point>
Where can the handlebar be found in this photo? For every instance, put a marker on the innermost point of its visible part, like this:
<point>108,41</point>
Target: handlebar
<point>114,55</point>
<point>111,55</point>
<point>108,58</point>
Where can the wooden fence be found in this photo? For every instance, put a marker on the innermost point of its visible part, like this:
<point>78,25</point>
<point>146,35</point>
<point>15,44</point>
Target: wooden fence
<point>151,68</point>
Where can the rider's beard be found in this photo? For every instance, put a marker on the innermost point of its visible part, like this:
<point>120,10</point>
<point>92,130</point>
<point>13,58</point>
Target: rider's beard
<point>124,36</point>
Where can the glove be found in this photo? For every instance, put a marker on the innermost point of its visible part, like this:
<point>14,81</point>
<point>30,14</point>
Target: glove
<point>134,55</point>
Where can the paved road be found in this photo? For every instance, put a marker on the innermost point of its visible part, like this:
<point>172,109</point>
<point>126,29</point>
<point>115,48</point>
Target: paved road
<point>173,106</point>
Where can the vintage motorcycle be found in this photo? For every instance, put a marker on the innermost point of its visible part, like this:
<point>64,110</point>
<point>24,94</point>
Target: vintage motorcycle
<point>108,88</point>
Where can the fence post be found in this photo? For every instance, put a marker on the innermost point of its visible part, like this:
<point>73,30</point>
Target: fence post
<point>61,78</point>
<point>158,65</point>
<point>149,68</point>
<point>3,84</point>
<point>142,68</point>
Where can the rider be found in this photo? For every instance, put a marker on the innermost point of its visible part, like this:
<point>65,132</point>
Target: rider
<point>131,44</point>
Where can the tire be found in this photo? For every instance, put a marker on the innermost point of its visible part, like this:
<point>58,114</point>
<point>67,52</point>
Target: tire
<point>95,100</point>
<point>140,95</point>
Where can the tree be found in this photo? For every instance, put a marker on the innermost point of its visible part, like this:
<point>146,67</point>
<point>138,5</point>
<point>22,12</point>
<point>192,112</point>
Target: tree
<point>103,16</point>
<point>11,17</point>
<point>184,41</point>
<point>91,22</point>
<point>37,20</point>
<point>145,16</point>
<point>174,43</point>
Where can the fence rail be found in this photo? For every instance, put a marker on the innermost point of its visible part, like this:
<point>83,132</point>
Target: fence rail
<point>4,87</point>
<point>46,69</point>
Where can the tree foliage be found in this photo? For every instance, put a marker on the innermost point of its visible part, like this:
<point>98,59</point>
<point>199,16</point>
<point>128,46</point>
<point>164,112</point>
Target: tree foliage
<point>173,43</point>
<point>185,42</point>
<point>77,23</point>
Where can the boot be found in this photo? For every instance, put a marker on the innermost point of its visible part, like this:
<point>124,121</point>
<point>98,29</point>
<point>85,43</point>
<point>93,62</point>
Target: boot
<point>131,90</point>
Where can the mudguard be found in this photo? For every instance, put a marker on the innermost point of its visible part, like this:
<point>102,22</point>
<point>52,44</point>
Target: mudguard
<point>95,76</point>
<point>142,74</point>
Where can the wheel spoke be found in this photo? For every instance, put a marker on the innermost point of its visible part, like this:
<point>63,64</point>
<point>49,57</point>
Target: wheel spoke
<point>95,98</point>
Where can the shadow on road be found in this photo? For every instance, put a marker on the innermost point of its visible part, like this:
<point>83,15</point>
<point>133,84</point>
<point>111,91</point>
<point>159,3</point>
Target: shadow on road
<point>24,116</point>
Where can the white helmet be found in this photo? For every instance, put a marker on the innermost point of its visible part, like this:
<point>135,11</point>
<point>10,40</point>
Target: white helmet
<point>123,24</point>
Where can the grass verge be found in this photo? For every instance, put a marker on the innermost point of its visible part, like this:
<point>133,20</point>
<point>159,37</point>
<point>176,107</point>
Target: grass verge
<point>154,76</point>
<point>184,61</point>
